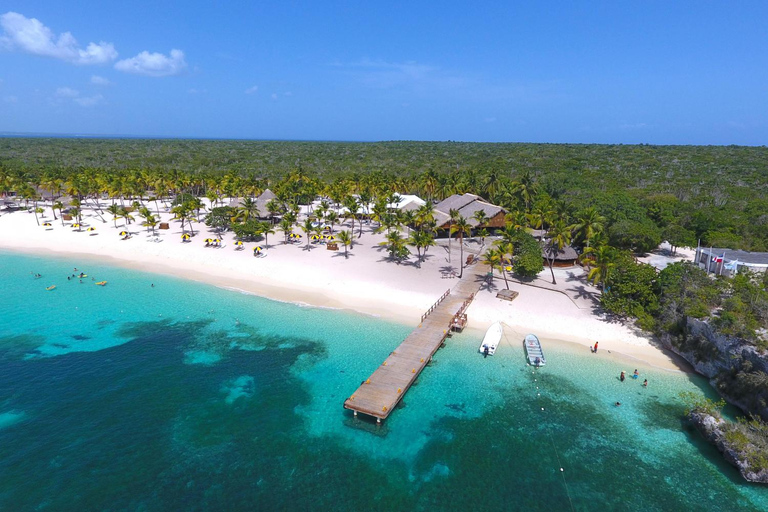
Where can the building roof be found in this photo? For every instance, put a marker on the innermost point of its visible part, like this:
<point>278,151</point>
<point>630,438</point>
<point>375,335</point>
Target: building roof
<point>455,202</point>
<point>468,211</point>
<point>565,254</point>
<point>262,200</point>
<point>467,205</point>
<point>744,257</point>
<point>407,202</point>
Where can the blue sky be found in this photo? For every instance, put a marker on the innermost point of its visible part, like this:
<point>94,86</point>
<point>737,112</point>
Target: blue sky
<point>606,72</point>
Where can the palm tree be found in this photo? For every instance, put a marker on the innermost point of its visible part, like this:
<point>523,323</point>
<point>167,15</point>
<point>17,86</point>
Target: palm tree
<point>331,218</point>
<point>308,228</point>
<point>589,222</point>
<point>408,218</point>
<point>559,236</point>
<point>604,257</point>
<point>395,244</point>
<point>266,229</point>
<point>461,228</point>
<point>505,248</point>
<point>525,188</point>
<point>124,213</point>
<point>181,212</point>
<point>115,211</point>
<point>246,210</point>
<point>352,206</point>
<point>493,258</point>
<point>421,240</point>
<point>58,205</point>
<point>286,226</point>
<point>454,215</point>
<point>150,222</point>
<point>345,237</point>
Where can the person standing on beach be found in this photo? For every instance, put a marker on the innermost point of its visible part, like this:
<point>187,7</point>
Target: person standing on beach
<point>594,350</point>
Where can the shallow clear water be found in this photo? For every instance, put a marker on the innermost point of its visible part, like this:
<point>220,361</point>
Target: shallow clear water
<point>183,396</point>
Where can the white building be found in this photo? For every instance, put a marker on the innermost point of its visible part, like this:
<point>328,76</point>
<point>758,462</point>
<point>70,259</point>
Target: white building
<point>730,261</point>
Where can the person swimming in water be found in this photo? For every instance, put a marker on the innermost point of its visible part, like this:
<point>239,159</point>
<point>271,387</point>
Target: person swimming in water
<point>622,377</point>
<point>636,374</point>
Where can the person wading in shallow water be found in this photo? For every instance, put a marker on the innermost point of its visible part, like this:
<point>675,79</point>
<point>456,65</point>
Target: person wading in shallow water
<point>623,376</point>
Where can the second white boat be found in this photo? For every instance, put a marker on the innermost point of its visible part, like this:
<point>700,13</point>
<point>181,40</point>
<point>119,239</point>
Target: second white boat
<point>491,339</point>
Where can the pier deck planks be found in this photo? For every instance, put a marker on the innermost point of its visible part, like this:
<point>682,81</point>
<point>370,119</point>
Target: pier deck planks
<point>387,385</point>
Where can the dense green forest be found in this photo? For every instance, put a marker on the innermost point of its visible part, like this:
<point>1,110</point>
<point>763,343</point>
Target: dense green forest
<point>646,193</point>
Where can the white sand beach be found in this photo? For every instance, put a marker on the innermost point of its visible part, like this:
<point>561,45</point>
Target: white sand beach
<point>366,281</point>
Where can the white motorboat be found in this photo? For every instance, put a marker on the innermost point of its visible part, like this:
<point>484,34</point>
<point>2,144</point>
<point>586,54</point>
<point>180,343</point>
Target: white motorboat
<point>533,350</point>
<point>491,339</point>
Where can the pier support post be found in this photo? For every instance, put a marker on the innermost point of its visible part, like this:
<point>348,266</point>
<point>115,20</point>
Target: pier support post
<point>355,413</point>
<point>378,421</point>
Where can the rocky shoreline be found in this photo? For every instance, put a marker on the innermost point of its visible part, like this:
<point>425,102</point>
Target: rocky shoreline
<point>712,429</point>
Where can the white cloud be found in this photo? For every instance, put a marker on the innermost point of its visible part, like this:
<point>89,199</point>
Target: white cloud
<point>153,64</point>
<point>31,36</point>
<point>274,96</point>
<point>100,80</point>
<point>90,101</point>
<point>66,92</point>
<point>252,90</point>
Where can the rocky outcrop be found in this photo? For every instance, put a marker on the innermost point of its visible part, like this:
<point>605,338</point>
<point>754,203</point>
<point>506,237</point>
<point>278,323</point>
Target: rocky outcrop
<point>713,430</point>
<point>717,356</point>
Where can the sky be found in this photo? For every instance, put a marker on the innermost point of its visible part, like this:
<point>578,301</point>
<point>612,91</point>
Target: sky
<point>655,72</point>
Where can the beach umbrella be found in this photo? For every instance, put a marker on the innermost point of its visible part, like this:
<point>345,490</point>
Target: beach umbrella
<point>314,237</point>
<point>216,241</point>
<point>208,240</point>
<point>123,233</point>
<point>238,243</point>
<point>75,225</point>
<point>257,249</point>
<point>185,236</point>
<point>46,224</point>
<point>91,229</point>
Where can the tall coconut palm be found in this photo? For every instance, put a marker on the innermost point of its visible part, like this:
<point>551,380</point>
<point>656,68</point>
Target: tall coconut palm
<point>58,205</point>
<point>331,218</point>
<point>505,248</point>
<point>266,229</point>
<point>116,212</point>
<point>559,236</point>
<point>461,228</point>
<point>493,258</point>
<point>345,237</point>
<point>589,222</point>
<point>525,189</point>
<point>150,222</point>
<point>604,258</point>
<point>308,228</point>
<point>453,215</point>
<point>246,210</point>
<point>421,240</point>
<point>286,226</point>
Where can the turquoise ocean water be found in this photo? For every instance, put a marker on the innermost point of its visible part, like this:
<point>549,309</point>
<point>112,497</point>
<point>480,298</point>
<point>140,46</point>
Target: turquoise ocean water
<point>183,396</point>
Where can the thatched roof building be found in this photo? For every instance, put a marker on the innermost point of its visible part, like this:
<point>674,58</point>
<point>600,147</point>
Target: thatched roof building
<point>468,205</point>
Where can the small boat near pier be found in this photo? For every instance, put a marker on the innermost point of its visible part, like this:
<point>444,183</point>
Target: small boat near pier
<point>533,351</point>
<point>491,339</point>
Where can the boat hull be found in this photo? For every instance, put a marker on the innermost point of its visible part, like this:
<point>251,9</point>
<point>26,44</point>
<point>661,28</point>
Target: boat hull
<point>491,339</point>
<point>533,351</point>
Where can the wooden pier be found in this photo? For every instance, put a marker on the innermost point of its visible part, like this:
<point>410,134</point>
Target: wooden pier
<point>380,393</point>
